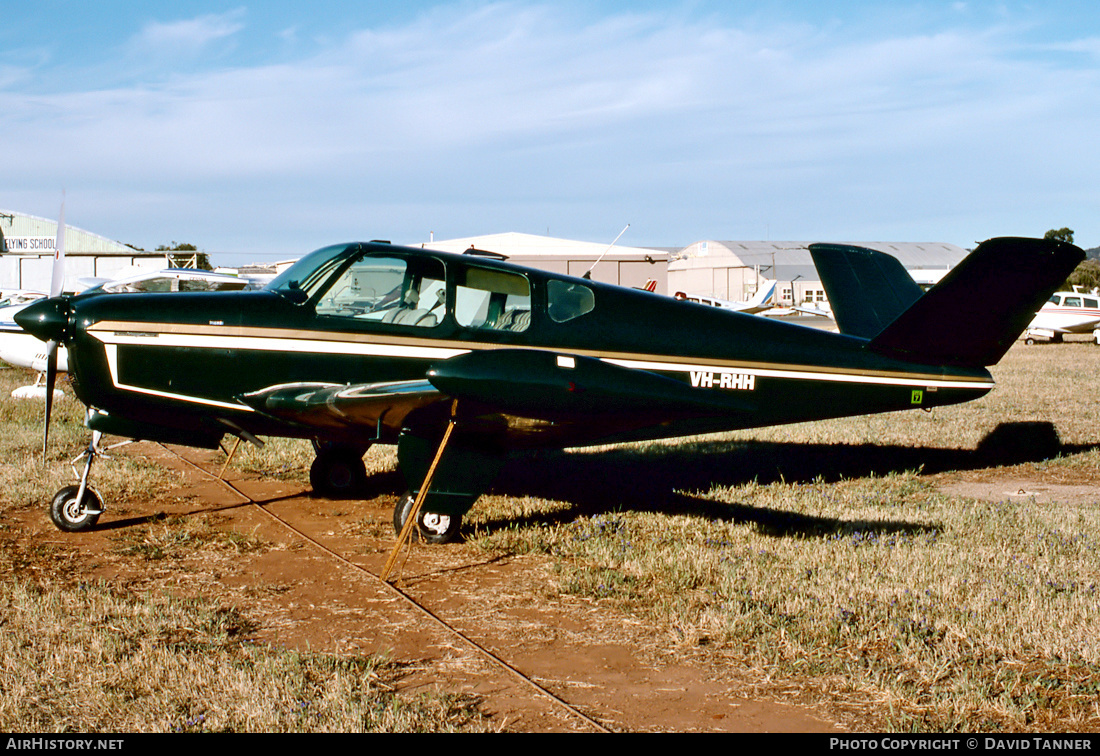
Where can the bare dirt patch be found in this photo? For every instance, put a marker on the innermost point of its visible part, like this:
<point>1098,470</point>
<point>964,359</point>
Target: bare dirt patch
<point>623,674</point>
<point>1041,484</point>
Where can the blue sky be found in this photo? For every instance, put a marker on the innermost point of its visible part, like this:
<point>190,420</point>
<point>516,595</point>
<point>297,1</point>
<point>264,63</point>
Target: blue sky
<point>264,130</point>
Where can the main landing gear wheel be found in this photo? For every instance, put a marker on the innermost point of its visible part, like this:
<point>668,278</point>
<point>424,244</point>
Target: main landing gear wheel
<point>338,472</point>
<point>434,527</point>
<point>71,515</point>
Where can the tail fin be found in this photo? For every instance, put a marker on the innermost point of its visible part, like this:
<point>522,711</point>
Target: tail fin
<point>867,289</point>
<point>970,318</point>
<point>762,295</point>
<point>980,308</point>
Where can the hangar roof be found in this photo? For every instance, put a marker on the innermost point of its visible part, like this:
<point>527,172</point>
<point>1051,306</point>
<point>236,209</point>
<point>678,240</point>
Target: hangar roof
<point>514,244</point>
<point>28,234</point>
<point>787,254</point>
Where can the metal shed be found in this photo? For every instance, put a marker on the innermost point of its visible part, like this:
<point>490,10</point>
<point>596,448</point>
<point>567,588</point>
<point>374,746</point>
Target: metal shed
<point>27,247</point>
<point>733,270</point>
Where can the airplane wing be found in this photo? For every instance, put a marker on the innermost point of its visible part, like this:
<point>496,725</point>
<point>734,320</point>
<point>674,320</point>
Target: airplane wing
<point>526,383</point>
<point>327,406</point>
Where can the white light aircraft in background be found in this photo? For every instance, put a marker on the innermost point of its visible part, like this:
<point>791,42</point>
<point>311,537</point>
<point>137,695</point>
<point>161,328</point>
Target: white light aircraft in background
<point>19,348</point>
<point>758,302</point>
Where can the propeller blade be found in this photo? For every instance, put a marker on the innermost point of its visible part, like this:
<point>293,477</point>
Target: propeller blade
<point>57,277</point>
<point>51,380</point>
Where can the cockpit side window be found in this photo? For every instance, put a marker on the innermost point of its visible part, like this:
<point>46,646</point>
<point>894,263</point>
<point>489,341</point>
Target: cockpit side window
<point>567,300</point>
<point>492,299</point>
<point>388,290</point>
<point>1071,302</point>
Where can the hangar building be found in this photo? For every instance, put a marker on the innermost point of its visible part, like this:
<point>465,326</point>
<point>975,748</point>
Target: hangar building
<point>733,270</point>
<point>27,248</point>
<point>625,266</point>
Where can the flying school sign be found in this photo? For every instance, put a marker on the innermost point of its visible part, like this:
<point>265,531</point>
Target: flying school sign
<point>29,244</point>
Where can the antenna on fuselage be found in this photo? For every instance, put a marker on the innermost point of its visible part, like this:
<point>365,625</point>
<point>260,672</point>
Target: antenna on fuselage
<point>588,273</point>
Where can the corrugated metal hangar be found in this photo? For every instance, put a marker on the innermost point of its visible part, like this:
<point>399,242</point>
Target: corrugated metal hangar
<point>733,270</point>
<point>625,266</point>
<point>27,248</point>
<point>730,270</point>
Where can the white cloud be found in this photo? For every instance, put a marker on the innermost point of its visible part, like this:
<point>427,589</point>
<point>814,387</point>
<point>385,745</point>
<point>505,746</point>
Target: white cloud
<point>512,114</point>
<point>189,36</point>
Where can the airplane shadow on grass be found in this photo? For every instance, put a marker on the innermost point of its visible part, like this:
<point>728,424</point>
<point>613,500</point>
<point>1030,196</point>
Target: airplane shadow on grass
<point>651,478</point>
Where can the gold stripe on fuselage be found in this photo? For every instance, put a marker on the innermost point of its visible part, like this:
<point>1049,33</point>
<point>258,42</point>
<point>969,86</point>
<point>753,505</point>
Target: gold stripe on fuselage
<point>286,339</point>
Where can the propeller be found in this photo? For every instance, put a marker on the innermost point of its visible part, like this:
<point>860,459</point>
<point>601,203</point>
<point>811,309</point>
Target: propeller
<point>48,320</point>
<point>51,380</point>
<point>57,283</point>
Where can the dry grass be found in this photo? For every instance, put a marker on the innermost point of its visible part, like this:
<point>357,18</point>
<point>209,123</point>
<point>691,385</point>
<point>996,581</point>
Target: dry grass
<point>28,480</point>
<point>91,660</point>
<point>78,657</point>
<point>824,552</point>
<point>820,557</point>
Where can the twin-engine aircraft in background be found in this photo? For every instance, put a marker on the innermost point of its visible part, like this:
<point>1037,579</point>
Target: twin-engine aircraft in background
<point>459,359</point>
<point>1066,312</point>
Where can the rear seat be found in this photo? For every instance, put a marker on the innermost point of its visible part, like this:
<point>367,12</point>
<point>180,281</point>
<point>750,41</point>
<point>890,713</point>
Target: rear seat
<point>405,316</point>
<point>514,320</point>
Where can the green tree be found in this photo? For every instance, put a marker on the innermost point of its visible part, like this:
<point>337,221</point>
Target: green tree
<point>1086,275</point>
<point>1060,234</point>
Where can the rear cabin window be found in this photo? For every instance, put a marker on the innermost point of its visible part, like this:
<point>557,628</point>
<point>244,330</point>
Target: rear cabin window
<point>567,300</point>
<point>389,290</point>
<point>492,299</point>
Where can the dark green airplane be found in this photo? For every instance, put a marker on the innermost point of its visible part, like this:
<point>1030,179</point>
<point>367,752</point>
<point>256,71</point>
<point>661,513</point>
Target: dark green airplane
<point>368,343</point>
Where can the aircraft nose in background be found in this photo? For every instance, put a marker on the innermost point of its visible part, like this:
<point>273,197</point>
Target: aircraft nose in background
<point>46,319</point>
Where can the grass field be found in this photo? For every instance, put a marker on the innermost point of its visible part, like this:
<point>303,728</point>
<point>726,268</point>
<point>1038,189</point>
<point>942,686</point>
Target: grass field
<point>96,657</point>
<point>825,553</point>
<point>823,557</point>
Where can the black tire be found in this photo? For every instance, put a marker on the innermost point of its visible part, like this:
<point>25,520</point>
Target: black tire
<point>1029,341</point>
<point>338,473</point>
<point>72,517</point>
<point>433,527</point>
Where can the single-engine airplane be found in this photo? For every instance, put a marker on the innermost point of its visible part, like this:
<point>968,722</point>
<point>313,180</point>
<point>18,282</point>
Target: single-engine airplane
<point>366,343</point>
<point>756,303</point>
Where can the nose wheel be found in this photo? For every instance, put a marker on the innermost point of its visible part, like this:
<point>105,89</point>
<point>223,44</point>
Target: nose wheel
<point>77,508</point>
<point>74,513</point>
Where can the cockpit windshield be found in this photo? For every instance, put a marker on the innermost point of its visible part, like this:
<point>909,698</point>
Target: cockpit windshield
<point>312,271</point>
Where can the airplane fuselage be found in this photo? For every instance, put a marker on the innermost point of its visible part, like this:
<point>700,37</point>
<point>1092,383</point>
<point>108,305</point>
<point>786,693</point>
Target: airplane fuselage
<point>185,361</point>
